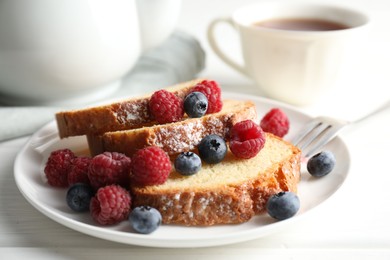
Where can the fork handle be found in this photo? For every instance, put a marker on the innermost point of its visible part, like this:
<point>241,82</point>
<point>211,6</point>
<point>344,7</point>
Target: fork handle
<point>381,108</point>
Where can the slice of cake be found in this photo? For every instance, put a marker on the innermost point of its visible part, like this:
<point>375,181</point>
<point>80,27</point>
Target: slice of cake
<point>121,115</point>
<point>232,191</point>
<point>175,137</point>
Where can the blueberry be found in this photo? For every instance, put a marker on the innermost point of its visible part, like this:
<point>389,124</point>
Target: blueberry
<point>195,104</point>
<point>212,149</point>
<point>79,196</point>
<point>321,164</point>
<point>188,163</point>
<point>283,205</point>
<point>145,219</point>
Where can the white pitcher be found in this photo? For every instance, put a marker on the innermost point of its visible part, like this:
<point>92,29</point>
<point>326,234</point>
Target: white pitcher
<point>61,50</point>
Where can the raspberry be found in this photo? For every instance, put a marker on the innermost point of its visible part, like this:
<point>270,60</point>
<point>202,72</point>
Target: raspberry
<point>246,139</point>
<point>150,166</point>
<point>212,91</point>
<point>275,122</point>
<point>57,167</point>
<point>110,205</point>
<point>78,171</point>
<point>109,168</point>
<point>166,107</point>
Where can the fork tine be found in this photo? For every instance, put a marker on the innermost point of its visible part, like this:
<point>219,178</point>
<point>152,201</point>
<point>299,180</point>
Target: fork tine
<point>323,139</point>
<point>312,135</point>
<point>305,130</point>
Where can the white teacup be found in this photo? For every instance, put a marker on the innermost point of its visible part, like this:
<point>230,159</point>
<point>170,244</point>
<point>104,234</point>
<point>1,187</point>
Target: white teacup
<point>293,65</point>
<point>73,50</point>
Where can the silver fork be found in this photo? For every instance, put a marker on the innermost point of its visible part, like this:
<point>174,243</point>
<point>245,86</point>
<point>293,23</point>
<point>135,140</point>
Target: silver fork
<point>321,130</point>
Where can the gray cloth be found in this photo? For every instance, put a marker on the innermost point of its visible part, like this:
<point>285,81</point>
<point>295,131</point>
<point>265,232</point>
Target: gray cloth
<point>178,59</point>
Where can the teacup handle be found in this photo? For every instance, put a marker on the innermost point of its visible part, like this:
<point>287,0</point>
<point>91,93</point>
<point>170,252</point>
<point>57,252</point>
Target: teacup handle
<point>214,45</point>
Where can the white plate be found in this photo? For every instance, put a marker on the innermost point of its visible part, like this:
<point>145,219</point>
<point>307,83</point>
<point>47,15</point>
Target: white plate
<point>51,202</point>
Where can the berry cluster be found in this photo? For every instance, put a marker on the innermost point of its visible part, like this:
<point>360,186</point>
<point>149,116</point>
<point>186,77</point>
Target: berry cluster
<point>245,141</point>
<point>204,98</point>
<point>64,168</point>
<point>99,184</point>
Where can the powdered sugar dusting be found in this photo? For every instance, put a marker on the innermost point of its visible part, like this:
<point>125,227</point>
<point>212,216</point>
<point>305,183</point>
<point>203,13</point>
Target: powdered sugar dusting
<point>185,137</point>
<point>217,125</point>
<point>181,137</point>
<point>133,112</point>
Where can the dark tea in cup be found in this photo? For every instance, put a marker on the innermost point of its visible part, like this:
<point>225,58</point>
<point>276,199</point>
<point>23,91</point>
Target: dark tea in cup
<point>301,24</point>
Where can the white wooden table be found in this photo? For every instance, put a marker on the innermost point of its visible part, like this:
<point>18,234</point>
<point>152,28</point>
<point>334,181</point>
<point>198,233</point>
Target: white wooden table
<point>354,223</point>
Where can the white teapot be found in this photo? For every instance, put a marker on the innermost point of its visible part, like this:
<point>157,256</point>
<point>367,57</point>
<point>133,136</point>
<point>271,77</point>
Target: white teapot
<point>53,51</point>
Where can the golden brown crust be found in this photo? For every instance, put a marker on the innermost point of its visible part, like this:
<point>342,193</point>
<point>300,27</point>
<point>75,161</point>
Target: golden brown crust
<point>121,115</point>
<point>225,202</point>
<point>226,206</point>
<point>285,178</point>
<point>174,137</point>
